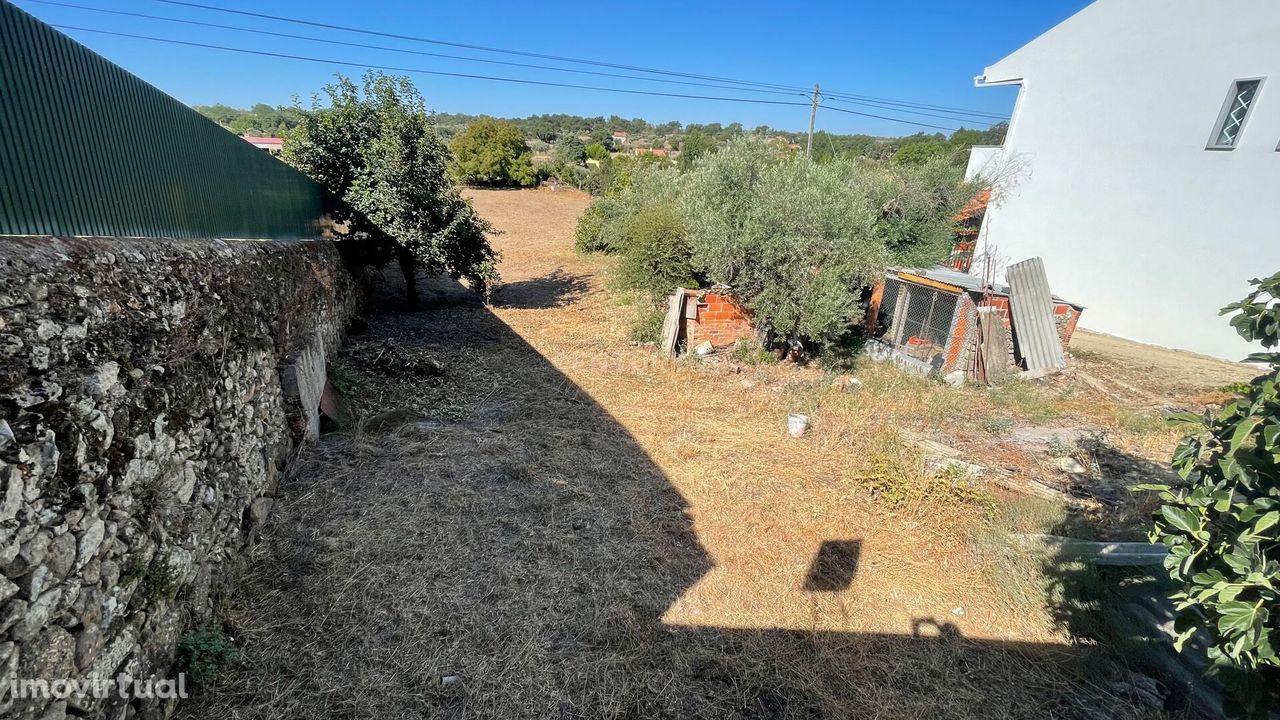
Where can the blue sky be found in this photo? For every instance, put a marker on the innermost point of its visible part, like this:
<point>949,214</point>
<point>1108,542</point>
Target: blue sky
<point>926,51</point>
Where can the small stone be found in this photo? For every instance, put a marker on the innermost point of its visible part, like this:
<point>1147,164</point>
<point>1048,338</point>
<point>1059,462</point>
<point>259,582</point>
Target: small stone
<point>1069,465</point>
<point>958,612</point>
<point>11,613</point>
<point>259,509</point>
<point>91,540</point>
<point>36,581</point>
<point>103,380</point>
<point>87,647</point>
<point>51,655</point>
<point>37,616</point>
<point>47,329</point>
<point>450,680</point>
<point>62,555</point>
<point>704,348</point>
<point>40,357</point>
<point>7,588</point>
<point>11,501</point>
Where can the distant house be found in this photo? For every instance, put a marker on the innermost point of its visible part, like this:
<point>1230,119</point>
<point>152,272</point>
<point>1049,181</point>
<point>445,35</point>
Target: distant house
<point>656,152</point>
<point>1142,163</point>
<point>273,145</point>
<point>620,138</point>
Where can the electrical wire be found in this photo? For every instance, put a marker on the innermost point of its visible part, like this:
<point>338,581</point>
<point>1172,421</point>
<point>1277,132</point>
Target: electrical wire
<point>330,41</point>
<point>433,41</point>
<point>393,68</point>
<point>885,117</point>
<point>561,58</point>
<point>896,104</point>
<point>908,112</point>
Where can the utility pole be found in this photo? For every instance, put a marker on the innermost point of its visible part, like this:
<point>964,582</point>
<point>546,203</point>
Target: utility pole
<point>813,115</point>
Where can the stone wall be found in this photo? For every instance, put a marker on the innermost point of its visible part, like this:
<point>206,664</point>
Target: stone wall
<point>143,427</point>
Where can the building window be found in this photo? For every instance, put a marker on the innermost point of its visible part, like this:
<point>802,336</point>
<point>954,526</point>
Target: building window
<point>1230,125</point>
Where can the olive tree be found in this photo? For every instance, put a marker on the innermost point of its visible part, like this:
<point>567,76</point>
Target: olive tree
<point>386,172</point>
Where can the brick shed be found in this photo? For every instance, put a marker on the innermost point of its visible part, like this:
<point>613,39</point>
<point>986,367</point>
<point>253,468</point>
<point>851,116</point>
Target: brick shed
<point>931,315</point>
<point>715,315</point>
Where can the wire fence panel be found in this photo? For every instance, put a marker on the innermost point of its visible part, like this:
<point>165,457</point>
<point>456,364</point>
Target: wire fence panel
<point>918,319</point>
<point>86,148</point>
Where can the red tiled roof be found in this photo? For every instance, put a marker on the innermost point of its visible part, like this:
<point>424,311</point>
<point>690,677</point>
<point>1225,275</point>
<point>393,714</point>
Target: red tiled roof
<point>263,140</point>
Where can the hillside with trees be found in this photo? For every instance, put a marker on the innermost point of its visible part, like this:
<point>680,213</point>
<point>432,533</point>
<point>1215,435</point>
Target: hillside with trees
<point>693,138</point>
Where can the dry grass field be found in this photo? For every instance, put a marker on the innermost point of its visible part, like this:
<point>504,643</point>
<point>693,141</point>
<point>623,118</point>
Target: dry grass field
<point>564,525</point>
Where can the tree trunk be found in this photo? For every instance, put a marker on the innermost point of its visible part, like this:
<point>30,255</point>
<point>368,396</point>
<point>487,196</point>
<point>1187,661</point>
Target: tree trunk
<point>409,266</point>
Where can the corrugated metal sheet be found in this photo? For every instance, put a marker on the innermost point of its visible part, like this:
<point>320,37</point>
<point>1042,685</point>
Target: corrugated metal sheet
<point>88,149</point>
<point>1031,305</point>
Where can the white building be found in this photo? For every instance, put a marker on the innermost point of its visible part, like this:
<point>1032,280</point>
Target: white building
<point>1143,160</point>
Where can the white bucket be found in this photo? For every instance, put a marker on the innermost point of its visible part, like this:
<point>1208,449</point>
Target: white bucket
<point>797,425</point>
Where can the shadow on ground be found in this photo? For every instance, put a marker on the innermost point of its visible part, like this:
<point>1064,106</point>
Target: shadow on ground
<point>511,553</point>
<point>554,290</point>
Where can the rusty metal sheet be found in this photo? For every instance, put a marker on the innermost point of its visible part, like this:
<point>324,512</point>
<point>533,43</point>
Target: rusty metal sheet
<point>1031,304</point>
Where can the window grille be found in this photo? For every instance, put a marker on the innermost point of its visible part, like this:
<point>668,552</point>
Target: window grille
<point>1234,113</point>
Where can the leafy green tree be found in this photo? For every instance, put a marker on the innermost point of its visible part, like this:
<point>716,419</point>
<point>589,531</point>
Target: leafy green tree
<point>695,145</point>
<point>1222,526</point>
<point>916,152</point>
<point>596,151</point>
<point>570,151</point>
<point>373,148</point>
<point>492,152</point>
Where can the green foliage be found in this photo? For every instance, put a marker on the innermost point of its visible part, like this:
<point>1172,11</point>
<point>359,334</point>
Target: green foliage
<point>648,326</point>
<point>373,149</point>
<point>1222,525</point>
<point>917,152</point>
<point>160,580</point>
<point>262,119</point>
<point>655,255</point>
<point>596,151</point>
<point>590,233</point>
<point>695,145</point>
<point>570,151</point>
<point>797,242</point>
<point>492,152</point>
<point>750,352</point>
<point>204,654</point>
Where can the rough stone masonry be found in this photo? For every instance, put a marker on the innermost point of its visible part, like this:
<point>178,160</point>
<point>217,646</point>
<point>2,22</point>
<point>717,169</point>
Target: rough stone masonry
<point>143,427</point>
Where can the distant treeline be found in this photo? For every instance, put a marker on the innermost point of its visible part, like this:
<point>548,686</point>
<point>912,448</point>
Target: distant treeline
<point>263,119</point>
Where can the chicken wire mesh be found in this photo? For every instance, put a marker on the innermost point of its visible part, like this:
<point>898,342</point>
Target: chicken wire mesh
<point>917,319</point>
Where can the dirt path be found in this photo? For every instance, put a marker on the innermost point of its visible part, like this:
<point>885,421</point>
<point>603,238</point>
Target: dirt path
<point>576,529</point>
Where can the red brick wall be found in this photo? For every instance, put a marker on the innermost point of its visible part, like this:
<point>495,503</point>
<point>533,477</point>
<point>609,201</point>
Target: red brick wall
<point>720,318</point>
<point>1064,316</point>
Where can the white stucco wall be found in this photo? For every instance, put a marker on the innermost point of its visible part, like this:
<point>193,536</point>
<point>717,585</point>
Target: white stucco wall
<point>1134,217</point>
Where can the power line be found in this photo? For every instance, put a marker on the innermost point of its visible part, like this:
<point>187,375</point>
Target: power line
<point>406,50</point>
<point>908,112</point>
<point>544,56</point>
<point>885,117</point>
<point>560,58</point>
<point>900,104</point>
<point>393,68</point>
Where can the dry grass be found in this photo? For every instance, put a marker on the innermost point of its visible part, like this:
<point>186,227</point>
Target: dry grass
<point>578,529</point>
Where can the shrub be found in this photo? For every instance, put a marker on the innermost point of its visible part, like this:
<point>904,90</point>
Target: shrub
<point>204,654</point>
<point>655,255</point>
<point>492,152</point>
<point>1222,527</point>
<point>797,242</point>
